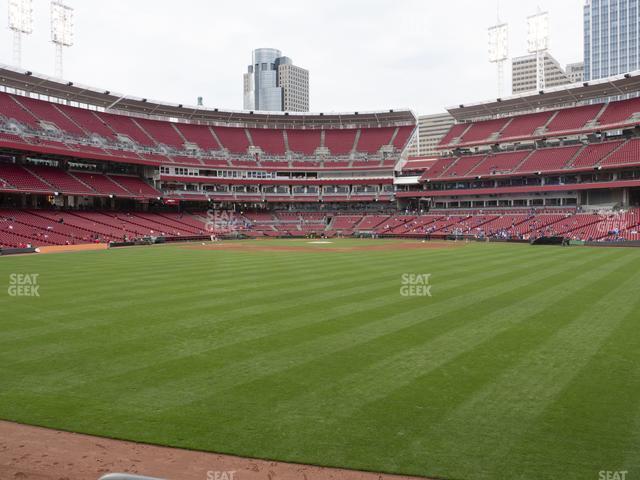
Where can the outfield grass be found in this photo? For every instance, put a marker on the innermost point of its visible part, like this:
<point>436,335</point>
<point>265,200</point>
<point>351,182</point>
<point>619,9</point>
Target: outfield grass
<point>524,363</point>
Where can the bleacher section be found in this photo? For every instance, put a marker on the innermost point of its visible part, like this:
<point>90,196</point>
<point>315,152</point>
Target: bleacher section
<point>17,177</point>
<point>60,180</point>
<point>161,132</point>
<point>60,162</point>
<point>19,228</point>
<point>126,127</point>
<point>49,112</point>
<point>41,227</point>
<point>607,155</point>
<point>371,139</point>
<point>199,135</point>
<point>270,141</point>
<point>525,125</point>
<point>304,141</point>
<point>54,128</point>
<point>567,121</point>
<point>340,142</point>
<point>45,179</point>
<point>548,160</point>
<point>461,167</point>
<point>499,164</point>
<point>572,119</point>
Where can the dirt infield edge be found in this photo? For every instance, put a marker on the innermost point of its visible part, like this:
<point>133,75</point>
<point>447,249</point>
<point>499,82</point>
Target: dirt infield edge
<point>36,453</point>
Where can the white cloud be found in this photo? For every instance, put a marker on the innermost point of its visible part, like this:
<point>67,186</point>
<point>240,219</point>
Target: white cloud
<point>362,54</point>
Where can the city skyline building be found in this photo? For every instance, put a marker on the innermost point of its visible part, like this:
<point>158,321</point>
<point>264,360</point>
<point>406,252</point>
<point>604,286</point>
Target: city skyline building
<point>611,37</point>
<point>430,130</point>
<point>273,83</point>
<point>524,73</point>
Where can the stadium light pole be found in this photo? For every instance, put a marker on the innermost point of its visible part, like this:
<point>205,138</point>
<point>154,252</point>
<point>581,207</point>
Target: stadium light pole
<point>61,31</point>
<point>21,23</point>
<point>499,50</point>
<point>538,43</point>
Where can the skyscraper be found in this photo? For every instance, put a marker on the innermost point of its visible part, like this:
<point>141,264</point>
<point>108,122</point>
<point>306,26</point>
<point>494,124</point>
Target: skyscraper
<point>575,72</point>
<point>274,83</point>
<point>431,129</point>
<point>524,73</point>
<point>611,43</point>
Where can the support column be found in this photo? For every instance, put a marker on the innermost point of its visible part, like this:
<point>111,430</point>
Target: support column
<point>626,201</point>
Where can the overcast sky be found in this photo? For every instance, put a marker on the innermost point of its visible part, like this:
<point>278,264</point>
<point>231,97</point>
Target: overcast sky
<point>361,54</point>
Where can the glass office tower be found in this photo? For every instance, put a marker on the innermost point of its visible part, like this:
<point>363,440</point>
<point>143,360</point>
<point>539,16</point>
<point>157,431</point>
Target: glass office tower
<point>610,37</point>
<point>272,83</point>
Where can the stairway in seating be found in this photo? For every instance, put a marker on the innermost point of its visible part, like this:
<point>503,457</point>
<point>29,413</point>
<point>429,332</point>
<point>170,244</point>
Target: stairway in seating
<point>145,132</point>
<point>81,182</point>
<point>569,164</point>
<point>596,121</point>
<point>393,137</point>
<point>456,140</point>
<point>542,129</point>
<point>515,169</point>
<point>612,152</point>
<point>61,112</point>
<point>106,124</point>
<point>28,170</point>
<point>249,137</point>
<point>354,149</point>
<point>20,105</point>
<point>177,130</point>
<point>214,135</point>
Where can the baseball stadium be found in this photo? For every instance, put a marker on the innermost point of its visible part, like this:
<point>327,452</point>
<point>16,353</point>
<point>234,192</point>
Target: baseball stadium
<point>199,293</point>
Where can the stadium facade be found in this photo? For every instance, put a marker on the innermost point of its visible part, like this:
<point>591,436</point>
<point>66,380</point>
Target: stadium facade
<point>82,164</point>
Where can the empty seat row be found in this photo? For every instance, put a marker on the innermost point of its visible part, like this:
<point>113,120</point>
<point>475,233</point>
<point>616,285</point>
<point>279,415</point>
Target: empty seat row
<point>40,178</point>
<point>33,112</point>
<point>566,120</point>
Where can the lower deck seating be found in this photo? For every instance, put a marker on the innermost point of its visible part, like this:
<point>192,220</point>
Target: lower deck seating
<point>46,179</point>
<point>23,227</point>
<point>15,176</point>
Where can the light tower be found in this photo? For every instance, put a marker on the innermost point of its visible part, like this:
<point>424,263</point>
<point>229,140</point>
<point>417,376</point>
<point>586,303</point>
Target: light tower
<point>538,42</point>
<point>61,31</point>
<point>20,22</point>
<point>499,50</point>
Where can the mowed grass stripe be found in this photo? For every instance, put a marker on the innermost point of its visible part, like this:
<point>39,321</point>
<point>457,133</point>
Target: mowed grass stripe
<point>90,297</point>
<point>169,306</point>
<point>93,295</point>
<point>230,305</point>
<point>333,415</point>
<point>224,382</point>
<point>516,397</point>
<point>433,345</point>
<point>598,411</point>
<point>62,370</point>
<point>229,371</point>
<point>242,287</point>
<point>111,362</point>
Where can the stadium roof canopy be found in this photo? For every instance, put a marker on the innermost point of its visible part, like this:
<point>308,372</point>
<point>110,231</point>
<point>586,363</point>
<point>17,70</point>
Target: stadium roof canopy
<point>572,94</point>
<point>20,80</point>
